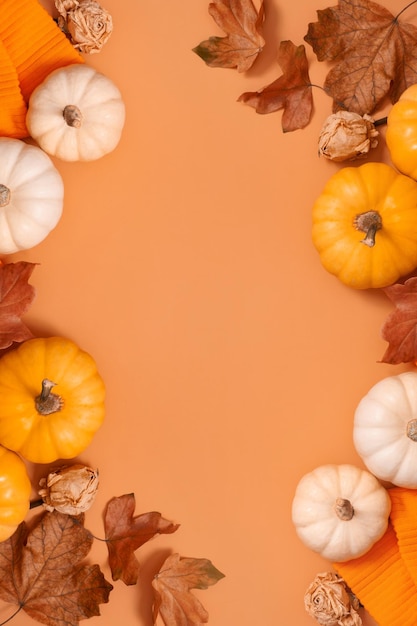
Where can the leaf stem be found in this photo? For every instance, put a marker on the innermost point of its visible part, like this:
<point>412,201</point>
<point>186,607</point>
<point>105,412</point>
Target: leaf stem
<point>396,18</point>
<point>19,608</point>
<point>104,540</point>
<point>77,521</point>
<point>342,106</point>
<point>33,504</point>
<point>320,86</point>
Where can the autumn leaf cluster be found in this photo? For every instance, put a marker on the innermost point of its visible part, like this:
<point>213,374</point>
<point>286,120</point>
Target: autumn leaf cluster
<point>372,58</point>
<point>372,54</point>
<point>43,570</point>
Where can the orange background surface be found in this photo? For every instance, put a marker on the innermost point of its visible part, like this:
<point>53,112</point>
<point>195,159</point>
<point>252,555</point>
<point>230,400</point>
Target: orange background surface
<point>184,264</point>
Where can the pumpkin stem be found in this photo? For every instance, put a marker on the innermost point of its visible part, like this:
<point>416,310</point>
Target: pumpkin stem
<point>4,195</point>
<point>35,503</point>
<point>72,115</point>
<point>47,402</point>
<point>412,429</point>
<point>368,222</point>
<point>343,509</point>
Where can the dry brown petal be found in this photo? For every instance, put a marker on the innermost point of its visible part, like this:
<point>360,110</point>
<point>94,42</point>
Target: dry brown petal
<point>86,23</point>
<point>346,136</point>
<point>70,489</point>
<point>330,603</point>
<point>64,6</point>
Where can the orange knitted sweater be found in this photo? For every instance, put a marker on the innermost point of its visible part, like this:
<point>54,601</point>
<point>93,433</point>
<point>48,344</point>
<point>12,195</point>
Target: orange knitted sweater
<point>31,46</point>
<point>385,578</point>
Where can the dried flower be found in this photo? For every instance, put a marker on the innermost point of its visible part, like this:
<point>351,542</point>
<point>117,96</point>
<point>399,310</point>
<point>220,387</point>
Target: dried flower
<point>70,489</point>
<point>329,601</point>
<point>346,136</point>
<point>86,23</point>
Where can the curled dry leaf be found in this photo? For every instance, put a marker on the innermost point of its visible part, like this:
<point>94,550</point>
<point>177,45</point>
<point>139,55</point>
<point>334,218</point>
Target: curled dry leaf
<point>69,489</point>
<point>174,601</point>
<point>292,91</point>
<point>242,23</point>
<point>16,296</point>
<point>400,327</point>
<point>86,23</point>
<point>375,54</point>
<point>346,136</point>
<point>125,533</point>
<point>331,603</point>
<point>41,571</point>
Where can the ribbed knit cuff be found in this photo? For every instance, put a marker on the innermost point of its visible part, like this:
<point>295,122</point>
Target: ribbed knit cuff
<point>385,578</point>
<point>382,583</point>
<point>12,105</point>
<point>404,521</point>
<point>32,46</point>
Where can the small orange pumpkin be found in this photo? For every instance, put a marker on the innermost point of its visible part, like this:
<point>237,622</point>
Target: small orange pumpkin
<point>15,489</point>
<point>51,399</point>
<point>365,225</point>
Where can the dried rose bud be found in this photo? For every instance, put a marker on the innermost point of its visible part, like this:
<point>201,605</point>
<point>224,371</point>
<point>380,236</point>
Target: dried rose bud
<point>330,602</point>
<point>346,136</point>
<point>85,22</point>
<point>70,489</point>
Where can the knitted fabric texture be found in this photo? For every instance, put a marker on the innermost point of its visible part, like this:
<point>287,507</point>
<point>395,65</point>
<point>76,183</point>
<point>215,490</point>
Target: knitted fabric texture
<point>385,578</point>
<point>31,47</point>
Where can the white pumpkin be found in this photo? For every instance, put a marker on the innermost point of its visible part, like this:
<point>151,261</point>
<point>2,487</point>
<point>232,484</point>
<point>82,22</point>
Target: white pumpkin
<point>76,114</point>
<point>385,429</point>
<point>31,195</point>
<point>340,511</point>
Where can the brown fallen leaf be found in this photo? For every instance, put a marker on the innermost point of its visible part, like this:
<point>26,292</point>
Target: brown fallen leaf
<point>292,91</point>
<point>400,327</point>
<point>41,571</point>
<point>125,533</point>
<point>375,54</point>
<point>174,602</point>
<point>16,296</point>
<point>242,24</point>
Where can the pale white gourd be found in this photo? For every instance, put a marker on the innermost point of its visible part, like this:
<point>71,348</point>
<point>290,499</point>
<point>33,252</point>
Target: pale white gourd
<point>76,114</point>
<point>385,429</point>
<point>340,511</point>
<point>31,195</point>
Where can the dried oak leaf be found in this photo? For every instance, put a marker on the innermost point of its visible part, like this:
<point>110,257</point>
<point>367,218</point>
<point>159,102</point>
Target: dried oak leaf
<point>16,296</point>
<point>125,533</point>
<point>400,327</point>
<point>174,601</point>
<point>375,54</point>
<point>242,24</point>
<point>292,91</point>
<point>41,571</point>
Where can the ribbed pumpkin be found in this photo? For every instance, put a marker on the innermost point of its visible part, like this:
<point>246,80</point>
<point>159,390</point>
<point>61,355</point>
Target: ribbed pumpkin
<point>385,429</point>
<point>401,135</point>
<point>76,114</point>
<point>15,489</point>
<point>365,225</point>
<point>51,399</point>
<point>31,195</point>
<point>340,511</point>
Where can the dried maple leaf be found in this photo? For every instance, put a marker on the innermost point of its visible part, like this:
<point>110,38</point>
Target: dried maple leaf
<point>41,571</point>
<point>400,327</point>
<point>174,602</point>
<point>375,54</point>
<point>16,296</point>
<point>125,533</point>
<point>242,24</point>
<point>292,91</point>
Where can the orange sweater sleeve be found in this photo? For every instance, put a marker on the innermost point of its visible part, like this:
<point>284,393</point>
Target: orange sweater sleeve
<point>12,104</point>
<point>31,47</point>
<point>385,578</point>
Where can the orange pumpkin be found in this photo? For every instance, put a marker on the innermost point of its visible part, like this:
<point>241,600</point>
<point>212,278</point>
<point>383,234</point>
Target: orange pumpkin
<point>51,399</point>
